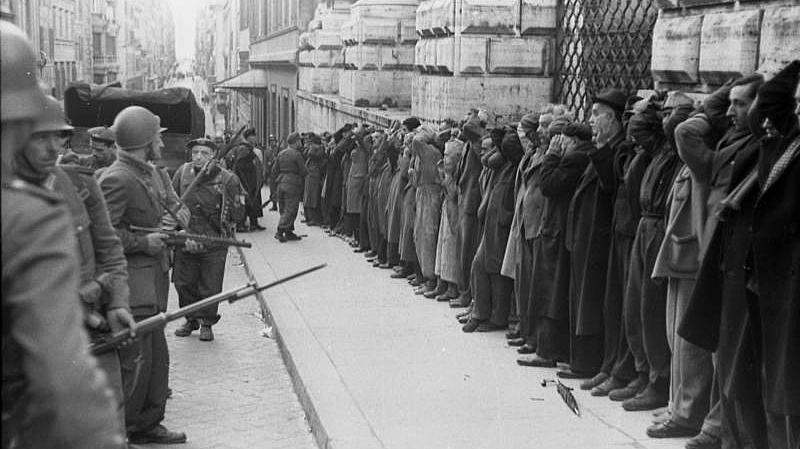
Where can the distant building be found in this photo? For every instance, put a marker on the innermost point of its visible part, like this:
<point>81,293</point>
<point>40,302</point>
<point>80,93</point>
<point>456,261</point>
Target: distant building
<point>98,41</point>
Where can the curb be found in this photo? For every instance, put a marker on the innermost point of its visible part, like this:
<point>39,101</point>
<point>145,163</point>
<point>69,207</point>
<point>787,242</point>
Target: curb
<point>323,386</point>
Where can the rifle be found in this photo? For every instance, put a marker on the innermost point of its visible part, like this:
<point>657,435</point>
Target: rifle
<point>159,321</point>
<point>175,238</point>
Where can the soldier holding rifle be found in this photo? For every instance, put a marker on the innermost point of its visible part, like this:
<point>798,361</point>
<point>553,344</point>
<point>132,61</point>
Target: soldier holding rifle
<point>216,202</point>
<point>139,194</point>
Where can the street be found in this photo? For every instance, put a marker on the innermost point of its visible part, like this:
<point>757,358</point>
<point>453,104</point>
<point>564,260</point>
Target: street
<point>233,392</point>
<point>376,367</point>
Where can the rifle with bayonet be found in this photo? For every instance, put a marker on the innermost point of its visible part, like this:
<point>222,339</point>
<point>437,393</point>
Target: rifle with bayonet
<point>159,321</point>
<point>178,238</point>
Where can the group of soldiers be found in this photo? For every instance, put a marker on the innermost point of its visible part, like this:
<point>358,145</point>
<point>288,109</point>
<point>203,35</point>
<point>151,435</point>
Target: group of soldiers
<point>86,254</point>
<point>652,253</point>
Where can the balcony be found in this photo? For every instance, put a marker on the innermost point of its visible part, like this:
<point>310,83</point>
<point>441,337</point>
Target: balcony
<point>105,62</point>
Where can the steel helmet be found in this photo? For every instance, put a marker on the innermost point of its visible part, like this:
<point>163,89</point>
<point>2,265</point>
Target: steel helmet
<point>136,127</point>
<point>20,97</point>
<point>52,118</point>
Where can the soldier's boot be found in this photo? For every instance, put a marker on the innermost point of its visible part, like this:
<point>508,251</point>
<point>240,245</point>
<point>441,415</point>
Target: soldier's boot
<point>206,334</point>
<point>187,328</point>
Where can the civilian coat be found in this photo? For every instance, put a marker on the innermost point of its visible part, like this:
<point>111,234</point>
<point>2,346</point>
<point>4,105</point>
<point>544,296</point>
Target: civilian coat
<point>394,206</point>
<point>315,167</point>
<point>588,237</point>
<point>497,216</point>
<point>551,261</point>
<point>357,176</point>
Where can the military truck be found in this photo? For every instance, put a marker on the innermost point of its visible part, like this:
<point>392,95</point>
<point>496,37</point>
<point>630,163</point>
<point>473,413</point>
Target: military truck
<point>90,105</point>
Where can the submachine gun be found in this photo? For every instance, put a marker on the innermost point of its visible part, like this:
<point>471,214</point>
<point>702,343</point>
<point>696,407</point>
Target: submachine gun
<point>159,321</point>
<point>175,238</point>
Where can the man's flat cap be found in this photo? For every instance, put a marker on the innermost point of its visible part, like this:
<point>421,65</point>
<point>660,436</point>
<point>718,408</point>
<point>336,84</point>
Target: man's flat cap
<point>614,98</point>
<point>202,141</point>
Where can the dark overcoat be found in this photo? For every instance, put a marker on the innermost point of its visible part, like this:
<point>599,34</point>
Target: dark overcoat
<point>315,166</point>
<point>588,238</point>
<point>551,262</point>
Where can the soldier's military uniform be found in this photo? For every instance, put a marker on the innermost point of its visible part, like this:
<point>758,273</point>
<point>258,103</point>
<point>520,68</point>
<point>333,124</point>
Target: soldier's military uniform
<point>53,394</point>
<point>289,171</point>
<point>136,194</point>
<point>216,204</point>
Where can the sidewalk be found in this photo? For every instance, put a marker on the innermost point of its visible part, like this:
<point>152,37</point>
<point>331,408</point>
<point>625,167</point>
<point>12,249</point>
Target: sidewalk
<point>377,367</point>
<point>233,392</point>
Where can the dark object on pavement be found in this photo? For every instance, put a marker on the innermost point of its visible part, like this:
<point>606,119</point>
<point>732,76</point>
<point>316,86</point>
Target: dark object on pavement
<point>158,321</point>
<point>566,394</point>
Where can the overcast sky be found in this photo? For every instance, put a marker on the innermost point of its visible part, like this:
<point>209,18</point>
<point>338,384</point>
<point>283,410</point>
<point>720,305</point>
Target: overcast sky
<point>184,13</point>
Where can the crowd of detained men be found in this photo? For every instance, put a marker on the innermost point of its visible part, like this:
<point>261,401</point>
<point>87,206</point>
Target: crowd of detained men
<point>652,252</point>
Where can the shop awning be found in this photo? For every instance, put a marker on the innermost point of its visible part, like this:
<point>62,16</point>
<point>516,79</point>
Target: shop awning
<point>251,79</point>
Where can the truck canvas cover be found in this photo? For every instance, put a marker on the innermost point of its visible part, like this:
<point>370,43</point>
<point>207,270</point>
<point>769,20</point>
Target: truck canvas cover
<point>88,105</point>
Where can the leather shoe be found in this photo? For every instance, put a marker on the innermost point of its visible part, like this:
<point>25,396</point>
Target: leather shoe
<point>416,282</point>
<point>527,348</point>
<point>399,275</point>
<point>612,383</point>
<point>704,440</point>
<point>369,254</point>
<point>570,374</point>
<point>650,398</point>
<point>513,333</point>
<point>359,250</point>
<point>158,435</point>
<point>594,381</point>
<point>633,388</point>
<point>385,266</point>
<point>471,325</point>
<point>488,326</point>
<point>516,342</point>
<point>291,236</point>
<point>535,360</point>
<point>445,297</point>
<point>461,301</point>
<point>669,429</point>
<point>206,334</point>
<point>463,319</point>
<point>186,329</point>
<point>280,237</point>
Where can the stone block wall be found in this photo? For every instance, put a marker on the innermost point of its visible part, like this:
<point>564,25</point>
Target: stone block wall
<point>319,60</point>
<point>698,44</point>
<point>378,52</point>
<point>494,54</point>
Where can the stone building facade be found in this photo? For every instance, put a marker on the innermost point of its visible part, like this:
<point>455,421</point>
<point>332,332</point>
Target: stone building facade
<point>698,45</point>
<point>100,41</point>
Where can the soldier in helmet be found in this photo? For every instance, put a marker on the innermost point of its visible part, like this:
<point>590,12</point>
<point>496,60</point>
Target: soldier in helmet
<point>216,201</point>
<point>103,275</point>
<point>53,393</point>
<point>139,194</point>
<point>289,171</point>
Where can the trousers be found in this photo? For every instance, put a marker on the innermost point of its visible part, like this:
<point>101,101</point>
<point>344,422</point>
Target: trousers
<point>491,295</point>
<point>691,369</point>
<point>617,358</point>
<point>288,205</point>
<point>147,399</point>
<point>645,303</point>
<point>198,276</point>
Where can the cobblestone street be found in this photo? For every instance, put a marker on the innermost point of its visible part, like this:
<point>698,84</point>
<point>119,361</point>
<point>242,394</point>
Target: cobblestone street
<point>233,392</point>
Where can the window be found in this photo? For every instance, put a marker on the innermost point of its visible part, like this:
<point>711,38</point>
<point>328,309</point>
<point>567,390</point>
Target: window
<point>97,44</point>
<point>111,46</point>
